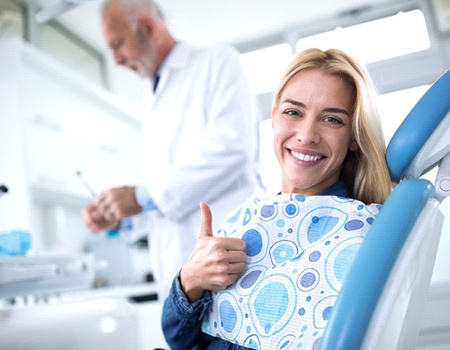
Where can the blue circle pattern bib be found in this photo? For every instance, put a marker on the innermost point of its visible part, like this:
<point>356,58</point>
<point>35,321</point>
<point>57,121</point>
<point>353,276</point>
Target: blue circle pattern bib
<point>299,249</point>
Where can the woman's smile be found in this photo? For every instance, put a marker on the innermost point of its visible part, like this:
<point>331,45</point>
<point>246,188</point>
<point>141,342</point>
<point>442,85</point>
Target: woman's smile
<point>304,157</point>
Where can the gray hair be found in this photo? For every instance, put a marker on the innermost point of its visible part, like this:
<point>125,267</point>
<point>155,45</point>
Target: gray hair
<point>133,9</point>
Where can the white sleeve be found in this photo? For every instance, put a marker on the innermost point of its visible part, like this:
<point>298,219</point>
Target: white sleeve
<point>227,149</point>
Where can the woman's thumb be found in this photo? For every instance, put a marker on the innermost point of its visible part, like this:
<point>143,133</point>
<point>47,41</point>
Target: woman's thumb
<point>206,221</point>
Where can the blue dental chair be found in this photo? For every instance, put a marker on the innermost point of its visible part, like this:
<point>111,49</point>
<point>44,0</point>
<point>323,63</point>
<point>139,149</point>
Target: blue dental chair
<point>383,296</point>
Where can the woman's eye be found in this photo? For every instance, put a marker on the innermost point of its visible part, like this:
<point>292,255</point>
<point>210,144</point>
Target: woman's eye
<point>333,120</point>
<point>292,112</point>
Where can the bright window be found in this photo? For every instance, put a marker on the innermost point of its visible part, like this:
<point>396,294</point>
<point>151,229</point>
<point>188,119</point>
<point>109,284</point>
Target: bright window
<point>395,106</point>
<point>264,67</point>
<point>377,40</point>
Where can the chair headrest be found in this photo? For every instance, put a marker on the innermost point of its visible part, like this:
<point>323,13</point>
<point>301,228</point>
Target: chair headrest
<point>423,138</point>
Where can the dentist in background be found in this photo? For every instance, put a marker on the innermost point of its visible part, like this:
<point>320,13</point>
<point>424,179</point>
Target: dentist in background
<point>199,133</point>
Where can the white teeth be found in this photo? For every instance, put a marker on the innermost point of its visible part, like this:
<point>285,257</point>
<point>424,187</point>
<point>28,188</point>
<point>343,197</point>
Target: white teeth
<point>305,157</point>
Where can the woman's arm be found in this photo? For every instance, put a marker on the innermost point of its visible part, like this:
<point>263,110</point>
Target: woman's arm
<point>215,263</point>
<point>181,320</point>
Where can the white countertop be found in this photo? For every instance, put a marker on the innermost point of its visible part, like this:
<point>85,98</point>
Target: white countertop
<point>120,291</point>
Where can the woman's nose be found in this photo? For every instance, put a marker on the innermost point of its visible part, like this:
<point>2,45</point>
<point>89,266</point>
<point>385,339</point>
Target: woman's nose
<point>308,132</point>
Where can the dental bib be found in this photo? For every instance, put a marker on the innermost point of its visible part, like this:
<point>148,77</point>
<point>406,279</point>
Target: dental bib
<point>299,249</point>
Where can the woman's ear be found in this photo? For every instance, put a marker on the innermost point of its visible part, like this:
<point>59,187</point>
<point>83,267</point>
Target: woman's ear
<point>353,146</point>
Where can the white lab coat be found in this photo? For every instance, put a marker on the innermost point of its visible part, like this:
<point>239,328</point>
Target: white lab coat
<point>200,143</point>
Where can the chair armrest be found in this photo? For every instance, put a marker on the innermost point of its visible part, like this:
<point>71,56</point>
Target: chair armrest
<point>373,264</point>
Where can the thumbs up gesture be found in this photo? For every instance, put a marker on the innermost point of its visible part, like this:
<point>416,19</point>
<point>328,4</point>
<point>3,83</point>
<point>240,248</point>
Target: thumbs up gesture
<point>215,262</point>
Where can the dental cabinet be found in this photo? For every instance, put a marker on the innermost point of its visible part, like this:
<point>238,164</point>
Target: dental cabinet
<point>53,124</point>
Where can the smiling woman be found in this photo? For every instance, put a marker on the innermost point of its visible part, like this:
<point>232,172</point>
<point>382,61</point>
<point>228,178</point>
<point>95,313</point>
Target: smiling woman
<point>339,84</point>
<point>269,277</point>
<point>313,131</point>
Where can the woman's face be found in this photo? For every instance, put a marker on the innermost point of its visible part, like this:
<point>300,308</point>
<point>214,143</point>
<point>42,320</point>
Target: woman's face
<point>312,131</point>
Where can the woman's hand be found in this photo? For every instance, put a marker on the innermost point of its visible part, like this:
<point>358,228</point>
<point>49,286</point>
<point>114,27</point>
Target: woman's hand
<point>215,263</point>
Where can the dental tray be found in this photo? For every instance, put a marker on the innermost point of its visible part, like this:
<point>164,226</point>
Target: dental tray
<point>45,275</point>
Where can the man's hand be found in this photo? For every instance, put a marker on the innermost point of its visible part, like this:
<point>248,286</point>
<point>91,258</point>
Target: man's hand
<point>118,203</point>
<point>94,220</point>
<point>215,263</point>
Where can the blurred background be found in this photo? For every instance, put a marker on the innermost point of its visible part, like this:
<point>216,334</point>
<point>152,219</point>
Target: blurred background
<point>68,109</point>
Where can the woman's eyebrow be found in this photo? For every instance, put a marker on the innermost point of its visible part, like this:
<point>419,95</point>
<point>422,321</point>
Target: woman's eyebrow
<point>336,110</point>
<point>296,103</point>
<point>328,110</point>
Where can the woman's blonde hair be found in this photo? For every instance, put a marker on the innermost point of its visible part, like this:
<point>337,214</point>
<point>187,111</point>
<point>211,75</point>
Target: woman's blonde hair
<point>364,171</point>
